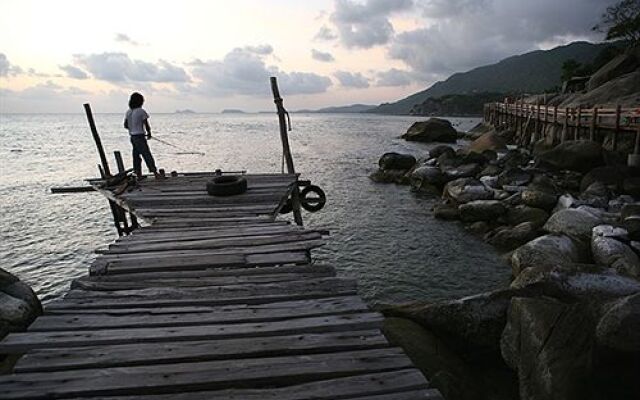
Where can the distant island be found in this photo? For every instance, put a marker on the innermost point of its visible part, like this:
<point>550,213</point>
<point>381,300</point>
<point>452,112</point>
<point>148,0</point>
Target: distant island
<point>185,111</point>
<point>351,109</point>
<point>232,111</point>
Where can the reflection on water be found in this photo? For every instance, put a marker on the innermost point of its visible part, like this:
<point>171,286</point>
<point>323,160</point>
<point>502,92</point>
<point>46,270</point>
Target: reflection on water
<point>383,235</point>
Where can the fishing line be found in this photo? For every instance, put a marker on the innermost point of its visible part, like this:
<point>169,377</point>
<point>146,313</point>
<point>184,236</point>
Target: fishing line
<point>182,149</point>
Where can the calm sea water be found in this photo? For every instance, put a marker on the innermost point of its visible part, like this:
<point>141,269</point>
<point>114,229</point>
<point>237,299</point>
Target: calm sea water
<point>383,235</point>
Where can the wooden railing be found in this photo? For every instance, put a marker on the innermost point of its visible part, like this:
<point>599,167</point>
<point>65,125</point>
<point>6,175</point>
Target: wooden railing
<point>576,122</point>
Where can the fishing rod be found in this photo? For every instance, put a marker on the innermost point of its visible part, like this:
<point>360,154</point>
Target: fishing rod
<point>182,149</point>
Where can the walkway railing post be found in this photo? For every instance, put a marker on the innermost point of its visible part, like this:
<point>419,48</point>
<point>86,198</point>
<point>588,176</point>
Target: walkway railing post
<point>282,114</point>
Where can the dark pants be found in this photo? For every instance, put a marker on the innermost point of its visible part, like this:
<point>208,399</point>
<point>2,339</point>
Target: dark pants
<point>141,149</point>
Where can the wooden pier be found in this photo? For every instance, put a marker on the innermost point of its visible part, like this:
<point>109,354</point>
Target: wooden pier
<point>214,299</point>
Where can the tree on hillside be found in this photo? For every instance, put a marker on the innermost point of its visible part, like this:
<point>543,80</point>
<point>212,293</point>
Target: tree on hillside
<point>621,21</point>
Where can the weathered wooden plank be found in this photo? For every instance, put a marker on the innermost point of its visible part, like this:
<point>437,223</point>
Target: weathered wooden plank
<point>233,313</point>
<point>423,394</point>
<point>202,244</point>
<point>22,342</point>
<point>158,237</point>
<point>148,201</point>
<point>62,359</point>
<point>172,378</point>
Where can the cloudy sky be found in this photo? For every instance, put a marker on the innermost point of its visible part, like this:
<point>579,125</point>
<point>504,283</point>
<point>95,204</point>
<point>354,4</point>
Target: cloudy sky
<point>211,55</point>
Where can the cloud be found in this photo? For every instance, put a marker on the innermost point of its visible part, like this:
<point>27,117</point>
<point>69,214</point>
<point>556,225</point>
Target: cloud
<point>118,67</point>
<point>325,33</point>
<point>244,72</point>
<point>352,80</point>
<point>462,34</point>
<point>366,24</point>
<point>6,68</point>
<point>74,72</point>
<point>263,49</point>
<point>121,37</point>
<point>321,56</point>
<point>394,77</point>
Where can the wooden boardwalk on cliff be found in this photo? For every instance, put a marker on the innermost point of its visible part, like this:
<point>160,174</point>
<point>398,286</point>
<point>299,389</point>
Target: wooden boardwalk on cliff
<point>213,299</point>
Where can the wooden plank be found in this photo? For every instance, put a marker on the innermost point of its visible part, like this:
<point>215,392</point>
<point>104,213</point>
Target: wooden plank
<point>227,314</point>
<point>22,342</point>
<point>160,236</point>
<point>167,297</point>
<point>172,378</point>
<point>125,355</point>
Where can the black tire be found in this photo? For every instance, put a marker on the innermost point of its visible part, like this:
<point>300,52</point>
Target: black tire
<point>229,185</point>
<point>312,206</point>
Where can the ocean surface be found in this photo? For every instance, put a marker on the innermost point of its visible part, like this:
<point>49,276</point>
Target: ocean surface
<point>382,235</point>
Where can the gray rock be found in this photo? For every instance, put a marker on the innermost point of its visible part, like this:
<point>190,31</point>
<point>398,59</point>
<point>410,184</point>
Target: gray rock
<point>464,190</point>
<point>610,176</point>
<point>490,182</point>
<point>514,177</point>
<point>574,155</point>
<point>461,171</point>
<point>631,186</point>
<point>397,161</point>
<point>547,250</point>
<point>549,343</point>
<point>616,205</point>
<point>522,213</point>
<point>609,251</point>
<point>620,65</point>
<point>619,327</point>
<point>488,141</point>
<point>446,211</point>
<point>511,237</point>
<point>632,225</point>
<point>539,199</point>
<point>490,170</point>
<point>441,149</point>
<point>574,223</point>
<point>19,305</point>
<point>596,195</point>
<point>481,210</point>
<point>429,175</point>
<point>390,176</point>
<point>432,130</point>
<point>478,228</point>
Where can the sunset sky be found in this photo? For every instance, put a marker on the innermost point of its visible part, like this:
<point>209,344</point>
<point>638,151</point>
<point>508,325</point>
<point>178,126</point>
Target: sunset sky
<point>211,55</point>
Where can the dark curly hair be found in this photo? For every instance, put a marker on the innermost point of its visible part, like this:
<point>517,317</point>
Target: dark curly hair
<point>136,100</point>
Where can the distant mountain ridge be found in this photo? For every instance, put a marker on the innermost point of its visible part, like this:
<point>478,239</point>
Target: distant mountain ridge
<point>531,72</point>
<point>353,108</point>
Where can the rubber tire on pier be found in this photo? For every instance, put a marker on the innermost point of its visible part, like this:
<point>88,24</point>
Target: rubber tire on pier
<point>318,202</point>
<point>228,185</point>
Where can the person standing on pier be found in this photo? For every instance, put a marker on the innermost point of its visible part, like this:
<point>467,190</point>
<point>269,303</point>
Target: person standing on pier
<point>136,121</point>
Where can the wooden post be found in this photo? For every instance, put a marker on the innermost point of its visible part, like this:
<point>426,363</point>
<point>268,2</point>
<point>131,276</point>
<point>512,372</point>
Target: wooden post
<point>565,125</point>
<point>614,142</point>
<point>134,219</point>
<point>594,124</point>
<point>536,125</point>
<point>578,123</point>
<point>282,113</point>
<point>119,162</point>
<point>96,138</point>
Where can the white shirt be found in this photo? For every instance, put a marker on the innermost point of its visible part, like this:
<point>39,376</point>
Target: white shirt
<point>135,120</point>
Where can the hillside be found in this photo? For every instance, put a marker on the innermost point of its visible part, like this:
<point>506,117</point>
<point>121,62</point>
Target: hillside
<point>353,108</point>
<point>532,72</point>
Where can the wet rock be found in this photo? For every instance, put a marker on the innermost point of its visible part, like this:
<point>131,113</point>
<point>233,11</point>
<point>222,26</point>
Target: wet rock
<point>478,228</point>
<point>574,155</point>
<point>429,175</point>
<point>610,176</point>
<point>511,237</point>
<point>19,305</point>
<point>596,195</point>
<point>616,205</point>
<point>488,141</point>
<point>514,177</point>
<point>446,211</point>
<point>490,155</point>
<point>490,170</point>
<point>549,343</point>
<point>539,199</point>
<point>632,225</point>
<point>464,190</point>
<point>462,171</point>
<point>574,223</point>
<point>514,158</point>
<point>481,210</point>
<point>390,176</point>
<point>619,327</point>
<point>441,149</point>
<point>490,182</point>
<point>547,250</point>
<point>397,161</point>
<point>523,213</point>
<point>432,130</point>
<point>608,250</point>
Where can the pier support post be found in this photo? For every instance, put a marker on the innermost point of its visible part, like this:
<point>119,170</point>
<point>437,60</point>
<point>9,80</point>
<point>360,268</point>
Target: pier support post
<point>282,115</point>
<point>96,138</point>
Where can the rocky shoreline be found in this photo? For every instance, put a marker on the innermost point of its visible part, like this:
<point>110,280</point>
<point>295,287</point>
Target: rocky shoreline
<point>568,222</point>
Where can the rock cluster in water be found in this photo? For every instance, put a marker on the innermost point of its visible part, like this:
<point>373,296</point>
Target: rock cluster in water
<point>568,327</point>
<point>19,305</point>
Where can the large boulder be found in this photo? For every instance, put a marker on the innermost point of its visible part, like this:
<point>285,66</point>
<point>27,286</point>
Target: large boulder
<point>522,213</point>
<point>619,327</point>
<point>511,237</point>
<point>607,249</point>
<point>576,155</point>
<point>461,171</point>
<point>397,161</point>
<point>464,190</point>
<point>549,343</point>
<point>595,195</point>
<point>481,210</point>
<point>427,179</point>
<point>620,65</point>
<point>432,130</point>
<point>547,250</point>
<point>488,141</point>
<point>574,223</point>
<point>19,305</point>
<point>515,176</point>
<point>539,199</point>
<point>446,211</point>
<point>437,151</point>
<point>611,176</point>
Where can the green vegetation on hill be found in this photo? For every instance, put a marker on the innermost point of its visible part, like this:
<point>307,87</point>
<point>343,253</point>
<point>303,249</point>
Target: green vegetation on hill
<point>532,72</point>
